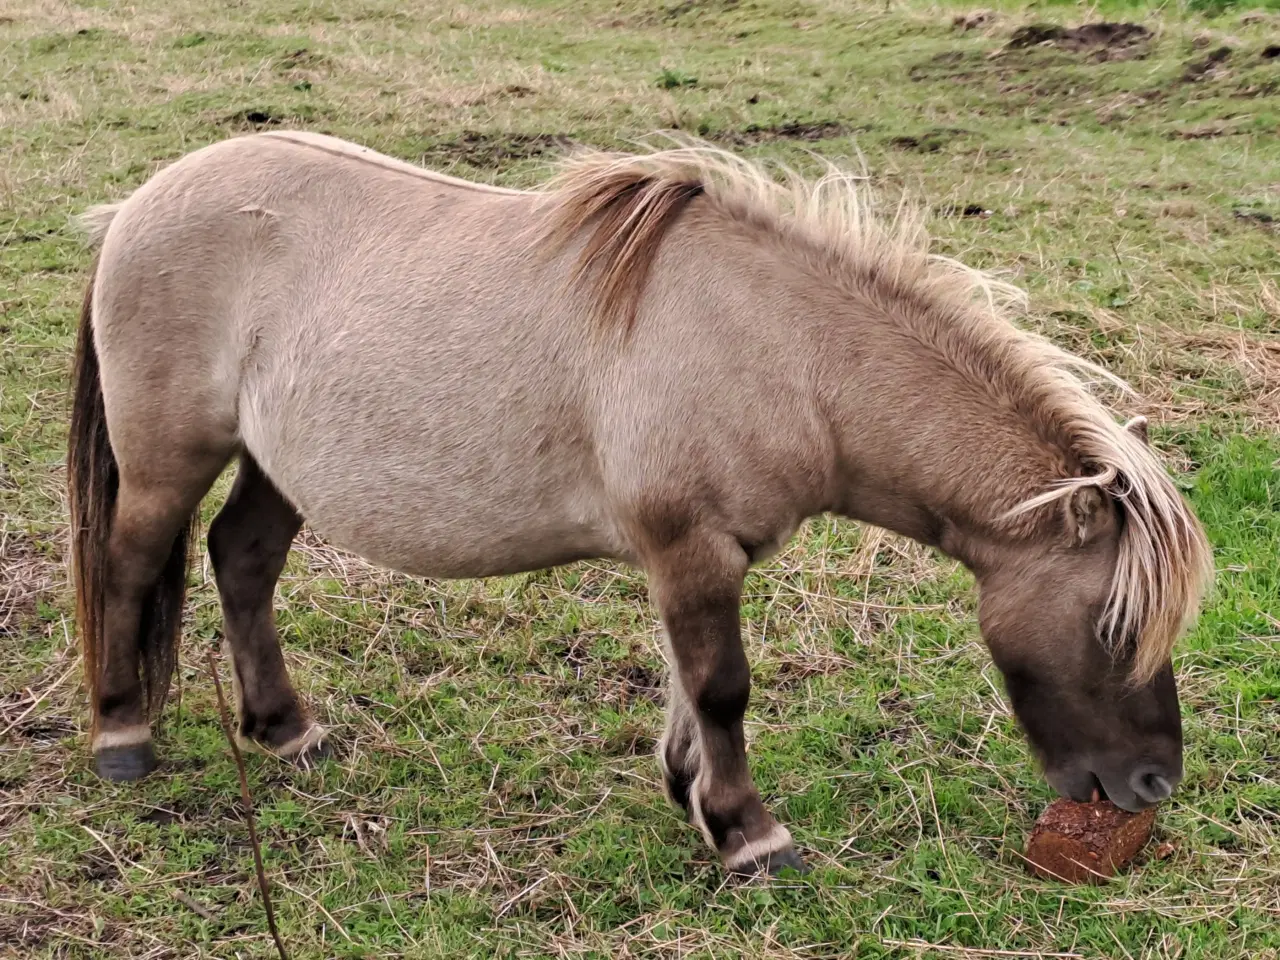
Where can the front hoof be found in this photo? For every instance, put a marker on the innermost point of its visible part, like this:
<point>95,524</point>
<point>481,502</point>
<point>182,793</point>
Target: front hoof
<point>769,864</point>
<point>786,859</point>
<point>119,764</point>
<point>312,756</point>
<point>306,749</point>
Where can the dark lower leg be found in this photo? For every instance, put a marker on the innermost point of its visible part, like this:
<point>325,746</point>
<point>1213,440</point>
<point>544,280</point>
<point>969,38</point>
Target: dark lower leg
<point>705,736</point>
<point>249,543</point>
<point>724,802</point>
<point>144,528</point>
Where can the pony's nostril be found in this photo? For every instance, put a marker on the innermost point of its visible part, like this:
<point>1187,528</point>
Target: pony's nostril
<point>1157,785</point>
<point>1152,785</point>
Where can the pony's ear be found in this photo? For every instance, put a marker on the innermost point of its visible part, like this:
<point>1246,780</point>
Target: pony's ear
<point>1087,513</point>
<point>1138,427</point>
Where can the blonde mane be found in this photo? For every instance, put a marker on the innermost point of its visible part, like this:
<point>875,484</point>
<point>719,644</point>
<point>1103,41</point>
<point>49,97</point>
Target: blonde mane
<point>630,202</point>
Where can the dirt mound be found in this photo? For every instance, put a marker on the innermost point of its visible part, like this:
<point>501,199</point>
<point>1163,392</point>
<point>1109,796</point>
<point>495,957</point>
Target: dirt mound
<point>790,130</point>
<point>493,150</point>
<point>1107,41</point>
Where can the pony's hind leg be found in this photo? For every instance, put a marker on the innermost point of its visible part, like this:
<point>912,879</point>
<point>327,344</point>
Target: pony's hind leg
<point>679,751</point>
<point>697,584</point>
<point>248,544</point>
<point>145,574</point>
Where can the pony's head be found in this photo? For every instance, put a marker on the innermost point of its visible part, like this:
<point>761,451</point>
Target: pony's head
<point>1080,613</point>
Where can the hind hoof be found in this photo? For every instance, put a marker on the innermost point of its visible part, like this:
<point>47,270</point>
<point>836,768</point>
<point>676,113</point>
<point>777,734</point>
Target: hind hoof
<point>131,762</point>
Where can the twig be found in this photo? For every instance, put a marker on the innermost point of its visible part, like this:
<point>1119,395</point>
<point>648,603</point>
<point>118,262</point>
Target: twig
<point>192,904</point>
<point>248,809</point>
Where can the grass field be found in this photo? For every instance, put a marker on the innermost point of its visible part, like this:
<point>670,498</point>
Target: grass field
<point>495,794</point>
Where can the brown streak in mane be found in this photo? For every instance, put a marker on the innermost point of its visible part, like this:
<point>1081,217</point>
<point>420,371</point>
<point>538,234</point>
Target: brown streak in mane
<point>629,212</point>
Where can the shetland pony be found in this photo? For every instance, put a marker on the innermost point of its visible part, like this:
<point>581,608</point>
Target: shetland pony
<point>669,359</point>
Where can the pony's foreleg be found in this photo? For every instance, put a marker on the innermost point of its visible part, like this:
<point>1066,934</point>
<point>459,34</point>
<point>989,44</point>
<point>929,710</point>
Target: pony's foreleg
<point>697,585</point>
<point>248,544</point>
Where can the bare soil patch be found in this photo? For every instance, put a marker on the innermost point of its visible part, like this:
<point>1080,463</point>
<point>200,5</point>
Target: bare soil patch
<point>788,130</point>
<point>487,150</point>
<point>1104,41</point>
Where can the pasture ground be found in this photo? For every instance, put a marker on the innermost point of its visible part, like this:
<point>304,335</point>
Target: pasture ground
<point>496,794</point>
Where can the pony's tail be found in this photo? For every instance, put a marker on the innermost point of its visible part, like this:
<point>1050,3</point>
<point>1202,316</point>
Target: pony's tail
<point>93,480</point>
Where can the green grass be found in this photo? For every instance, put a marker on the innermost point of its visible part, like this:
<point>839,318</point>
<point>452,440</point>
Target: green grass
<point>496,795</point>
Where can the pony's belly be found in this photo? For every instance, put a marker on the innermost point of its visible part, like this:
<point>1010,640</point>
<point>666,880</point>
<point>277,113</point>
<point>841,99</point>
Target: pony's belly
<point>434,524</point>
<point>427,550</point>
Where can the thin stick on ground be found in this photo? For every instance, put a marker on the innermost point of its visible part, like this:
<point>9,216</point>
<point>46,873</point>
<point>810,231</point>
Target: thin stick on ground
<point>263,887</point>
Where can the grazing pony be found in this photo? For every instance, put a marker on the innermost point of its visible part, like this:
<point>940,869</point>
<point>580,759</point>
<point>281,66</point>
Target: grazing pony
<point>669,359</point>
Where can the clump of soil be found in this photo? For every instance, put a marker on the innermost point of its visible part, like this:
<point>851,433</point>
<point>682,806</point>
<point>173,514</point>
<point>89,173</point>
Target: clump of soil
<point>931,141</point>
<point>974,19</point>
<point>256,118</point>
<point>1106,41</point>
<point>963,210</point>
<point>1254,216</point>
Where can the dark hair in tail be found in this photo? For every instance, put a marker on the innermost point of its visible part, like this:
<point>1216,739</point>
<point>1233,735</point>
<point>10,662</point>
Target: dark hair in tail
<point>93,481</point>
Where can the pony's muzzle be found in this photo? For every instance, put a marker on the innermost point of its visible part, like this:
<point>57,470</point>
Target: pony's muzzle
<point>1134,790</point>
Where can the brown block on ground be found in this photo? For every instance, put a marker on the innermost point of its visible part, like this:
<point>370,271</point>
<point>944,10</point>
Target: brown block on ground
<point>1086,842</point>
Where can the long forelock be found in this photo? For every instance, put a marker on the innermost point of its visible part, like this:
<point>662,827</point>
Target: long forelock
<point>1164,564</point>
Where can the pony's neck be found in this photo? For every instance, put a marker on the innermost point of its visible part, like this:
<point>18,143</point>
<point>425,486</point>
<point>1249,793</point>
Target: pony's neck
<point>926,451</point>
